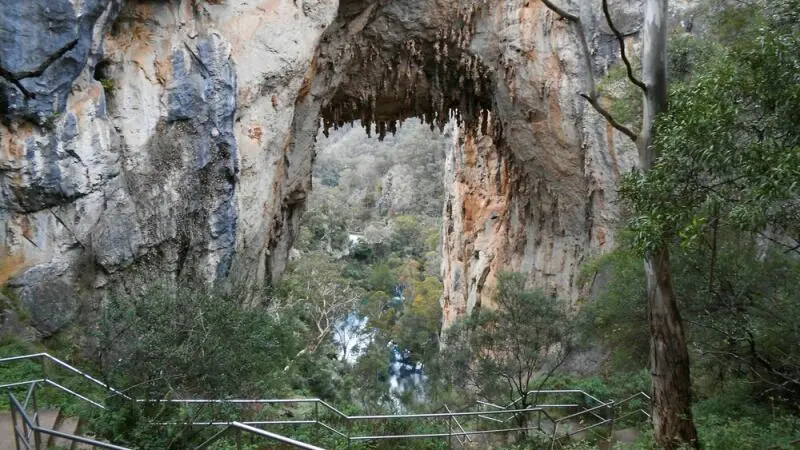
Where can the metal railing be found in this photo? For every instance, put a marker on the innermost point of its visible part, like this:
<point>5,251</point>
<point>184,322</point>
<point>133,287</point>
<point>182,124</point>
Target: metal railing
<point>44,358</point>
<point>502,417</point>
<point>467,437</point>
<point>621,414</point>
<point>238,427</point>
<point>589,413</point>
<point>27,431</point>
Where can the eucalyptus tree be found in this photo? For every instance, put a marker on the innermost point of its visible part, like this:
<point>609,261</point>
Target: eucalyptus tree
<point>669,356</point>
<point>729,164</point>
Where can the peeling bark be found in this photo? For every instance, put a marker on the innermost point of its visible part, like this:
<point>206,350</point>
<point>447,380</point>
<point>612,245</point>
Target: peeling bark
<point>669,359</point>
<point>669,356</point>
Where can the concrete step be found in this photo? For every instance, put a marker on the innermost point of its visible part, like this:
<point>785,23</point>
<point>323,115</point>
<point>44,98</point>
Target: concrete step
<point>80,446</point>
<point>68,425</point>
<point>51,419</point>
<point>623,436</point>
<point>626,435</point>
<point>48,418</point>
<point>6,432</point>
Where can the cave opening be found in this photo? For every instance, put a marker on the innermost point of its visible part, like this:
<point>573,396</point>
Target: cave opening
<point>394,104</point>
<point>371,235</point>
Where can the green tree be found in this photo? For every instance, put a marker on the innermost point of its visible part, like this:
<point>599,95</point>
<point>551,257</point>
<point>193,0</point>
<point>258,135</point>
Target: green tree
<point>730,147</point>
<point>419,325</point>
<point>730,159</point>
<point>740,300</point>
<point>317,287</point>
<point>616,313</point>
<point>164,341</point>
<point>407,238</point>
<point>505,353</point>
<point>381,278</point>
<point>170,339</point>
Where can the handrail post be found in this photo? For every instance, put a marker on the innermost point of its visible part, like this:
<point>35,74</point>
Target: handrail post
<point>316,425</point>
<point>238,439</point>
<point>555,431</point>
<point>539,420</point>
<point>37,438</point>
<point>450,431</point>
<point>14,420</point>
<point>43,366</point>
<point>35,406</point>
<point>349,432</point>
<point>611,408</point>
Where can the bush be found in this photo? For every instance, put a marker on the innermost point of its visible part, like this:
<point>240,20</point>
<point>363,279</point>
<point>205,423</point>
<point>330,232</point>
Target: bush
<point>171,340</point>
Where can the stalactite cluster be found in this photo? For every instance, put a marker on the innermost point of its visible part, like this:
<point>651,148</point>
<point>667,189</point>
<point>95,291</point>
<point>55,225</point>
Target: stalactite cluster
<point>430,77</point>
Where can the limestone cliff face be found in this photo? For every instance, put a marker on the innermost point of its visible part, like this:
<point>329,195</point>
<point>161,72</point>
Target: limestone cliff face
<point>540,200</point>
<point>150,138</point>
<point>175,137</point>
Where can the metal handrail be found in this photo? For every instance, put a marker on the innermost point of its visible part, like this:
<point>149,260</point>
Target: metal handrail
<point>36,428</point>
<point>452,415</point>
<point>545,392</point>
<point>458,424</point>
<point>32,383</point>
<point>464,433</point>
<point>635,411</point>
<point>551,391</point>
<point>638,394</point>
<point>449,415</point>
<point>556,423</point>
<point>65,366</point>
<point>259,432</point>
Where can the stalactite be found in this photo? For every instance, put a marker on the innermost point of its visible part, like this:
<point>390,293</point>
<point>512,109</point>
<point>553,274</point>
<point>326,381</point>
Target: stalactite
<point>435,79</point>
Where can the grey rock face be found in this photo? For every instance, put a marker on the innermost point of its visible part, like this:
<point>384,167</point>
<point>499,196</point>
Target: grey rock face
<point>165,146</point>
<point>49,299</point>
<point>44,46</point>
<point>199,124</point>
<point>12,326</point>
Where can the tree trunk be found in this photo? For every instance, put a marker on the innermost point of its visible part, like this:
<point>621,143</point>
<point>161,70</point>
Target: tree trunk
<point>654,75</point>
<point>669,357</point>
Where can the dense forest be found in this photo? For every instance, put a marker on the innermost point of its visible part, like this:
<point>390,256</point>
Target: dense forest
<point>356,318</point>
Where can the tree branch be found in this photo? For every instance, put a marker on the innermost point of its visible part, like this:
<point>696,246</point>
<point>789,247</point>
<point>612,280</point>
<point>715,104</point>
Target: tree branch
<point>610,118</point>
<point>587,57</point>
<point>621,40</point>
<point>561,12</point>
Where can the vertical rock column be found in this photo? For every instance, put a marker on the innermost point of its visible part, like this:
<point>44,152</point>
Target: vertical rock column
<point>540,198</point>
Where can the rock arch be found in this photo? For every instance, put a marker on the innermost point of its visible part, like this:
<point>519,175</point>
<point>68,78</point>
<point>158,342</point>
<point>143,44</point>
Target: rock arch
<point>192,156</point>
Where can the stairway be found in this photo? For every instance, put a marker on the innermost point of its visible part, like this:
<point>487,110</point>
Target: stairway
<point>52,419</point>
